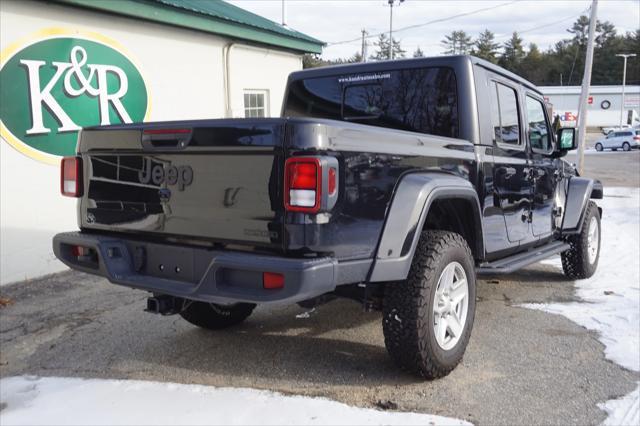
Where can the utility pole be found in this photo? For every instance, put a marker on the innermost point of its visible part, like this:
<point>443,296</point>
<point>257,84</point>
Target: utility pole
<point>391,29</point>
<point>391,2</point>
<point>586,82</point>
<point>284,14</point>
<point>363,53</point>
<point>624,81</point>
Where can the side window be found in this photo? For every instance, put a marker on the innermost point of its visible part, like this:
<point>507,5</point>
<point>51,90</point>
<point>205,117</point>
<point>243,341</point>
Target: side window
<point>539,137</point>
<point>504,114</point>
<point>255,103</point>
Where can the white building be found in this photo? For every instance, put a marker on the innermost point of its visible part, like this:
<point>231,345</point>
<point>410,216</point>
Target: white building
<point>604,104</point>
<point>65,64</point>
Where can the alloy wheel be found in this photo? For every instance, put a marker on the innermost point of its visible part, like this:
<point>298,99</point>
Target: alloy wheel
<point>593,240</point>
<point>450,306</point>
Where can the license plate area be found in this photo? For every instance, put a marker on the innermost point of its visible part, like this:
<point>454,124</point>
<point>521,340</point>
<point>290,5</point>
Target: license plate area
<point>173,263</point>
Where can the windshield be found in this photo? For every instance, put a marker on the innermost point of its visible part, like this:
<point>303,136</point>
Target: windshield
<point>420,100</point>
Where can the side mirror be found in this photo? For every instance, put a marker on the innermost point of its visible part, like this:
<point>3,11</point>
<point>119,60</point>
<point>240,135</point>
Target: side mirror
<point>567,139</point>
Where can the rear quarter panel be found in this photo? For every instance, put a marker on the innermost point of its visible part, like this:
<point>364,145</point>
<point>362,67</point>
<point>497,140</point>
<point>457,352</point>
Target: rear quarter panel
<point>372,162</point>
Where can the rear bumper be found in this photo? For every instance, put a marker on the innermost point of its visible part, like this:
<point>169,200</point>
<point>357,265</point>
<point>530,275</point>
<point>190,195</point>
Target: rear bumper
<point>198,273</point>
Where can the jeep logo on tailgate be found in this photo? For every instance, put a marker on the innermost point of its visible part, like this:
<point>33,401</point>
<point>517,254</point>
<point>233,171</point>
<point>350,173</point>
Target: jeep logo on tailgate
<point>156,173</point>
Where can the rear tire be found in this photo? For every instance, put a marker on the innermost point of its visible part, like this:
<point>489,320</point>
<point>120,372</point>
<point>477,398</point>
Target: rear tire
<point>429,298</point>
<point>216,317</point>
<point>598,147</point>
<point>581,260</point>
<point>626,146</point>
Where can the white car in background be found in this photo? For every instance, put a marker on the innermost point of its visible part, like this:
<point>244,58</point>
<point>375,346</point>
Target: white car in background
<point>607,130</point>
<point>621,139</point>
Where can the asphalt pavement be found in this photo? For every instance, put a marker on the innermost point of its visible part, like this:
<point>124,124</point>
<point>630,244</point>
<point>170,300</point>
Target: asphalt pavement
<point>613,168</point>
<point>521,367</point>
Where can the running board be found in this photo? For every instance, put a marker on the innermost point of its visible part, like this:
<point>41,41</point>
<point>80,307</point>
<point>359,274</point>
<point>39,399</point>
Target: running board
<point>520,260</point>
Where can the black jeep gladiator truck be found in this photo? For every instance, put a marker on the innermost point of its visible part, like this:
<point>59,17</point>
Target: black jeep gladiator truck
<point>393,183</point>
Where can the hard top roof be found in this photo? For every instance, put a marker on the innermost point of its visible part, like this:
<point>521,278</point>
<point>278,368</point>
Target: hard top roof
<point>450,61</point>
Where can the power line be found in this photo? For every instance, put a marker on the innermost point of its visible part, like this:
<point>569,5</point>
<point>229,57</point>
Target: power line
<point>435,21</point>
<point>358,40</point>
<point>549,24</point>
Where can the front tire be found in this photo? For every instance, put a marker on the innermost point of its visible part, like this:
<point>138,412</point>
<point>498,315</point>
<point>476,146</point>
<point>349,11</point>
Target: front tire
<point>428,318</point>
<point>626,146</point>
<point>599,147</point>
<point>216,317</point>
<point>581,260</point>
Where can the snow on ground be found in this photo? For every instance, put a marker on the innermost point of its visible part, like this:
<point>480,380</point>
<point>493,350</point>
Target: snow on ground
<point>623,411</point>
<point>51,400</point>
<point>612,295</point>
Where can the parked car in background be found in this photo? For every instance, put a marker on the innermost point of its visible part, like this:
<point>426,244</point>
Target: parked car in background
<point>624,139</point>
<point>609,130</point>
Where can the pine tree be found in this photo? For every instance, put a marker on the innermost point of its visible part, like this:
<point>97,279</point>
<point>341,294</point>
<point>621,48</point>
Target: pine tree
<point>605,33</point>
<point>457,43</point>
<point>533,67</point>
<point>310,60</point>
<point>356,57</point>
<point>580,30</point>
<point>418,53</point>
<point>485,47</point>
<point>513,53</point>
<point>382,48</point>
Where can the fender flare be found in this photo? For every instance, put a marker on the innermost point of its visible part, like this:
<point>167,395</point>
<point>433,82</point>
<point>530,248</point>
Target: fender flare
<point>579,191</point>
<point>407,214</point>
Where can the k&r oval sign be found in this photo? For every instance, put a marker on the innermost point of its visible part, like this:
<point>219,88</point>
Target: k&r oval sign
<point>52,86</point>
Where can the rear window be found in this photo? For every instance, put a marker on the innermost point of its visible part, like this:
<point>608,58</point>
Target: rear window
<point>421,100</point>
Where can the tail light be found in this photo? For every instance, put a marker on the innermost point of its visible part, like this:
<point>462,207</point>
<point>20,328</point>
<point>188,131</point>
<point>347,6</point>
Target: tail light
<point>81,254</point>
<point>303,184</point>
<point>71,176</point>
<point>311,184</point>
<point>272,280</point>
<point>636,138</point>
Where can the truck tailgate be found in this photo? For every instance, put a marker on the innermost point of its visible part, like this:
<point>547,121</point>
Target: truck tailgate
<point>215,180</point>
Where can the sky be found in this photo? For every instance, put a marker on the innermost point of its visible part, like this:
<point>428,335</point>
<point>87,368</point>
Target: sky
<point>543,22</point>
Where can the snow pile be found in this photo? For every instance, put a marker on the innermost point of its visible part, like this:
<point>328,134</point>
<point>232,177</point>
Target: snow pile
<point>623,411</point>
<point>613,294</point>
<point>36,401</point>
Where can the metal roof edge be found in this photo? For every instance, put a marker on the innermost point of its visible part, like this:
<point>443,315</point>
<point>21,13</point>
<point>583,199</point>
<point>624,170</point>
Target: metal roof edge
<point>284,31</point>
<point>183,18</point>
